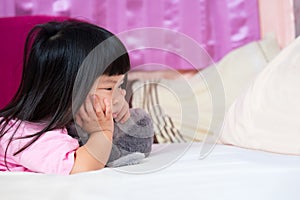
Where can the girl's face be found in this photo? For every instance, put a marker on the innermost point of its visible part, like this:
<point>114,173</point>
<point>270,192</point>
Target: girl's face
<point>109,87</point>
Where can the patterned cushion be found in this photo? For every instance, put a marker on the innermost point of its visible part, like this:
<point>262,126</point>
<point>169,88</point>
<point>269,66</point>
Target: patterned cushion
<point>183,109</point>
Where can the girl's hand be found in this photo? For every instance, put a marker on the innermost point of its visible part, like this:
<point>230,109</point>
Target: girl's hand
<point>98,122</point>
<point>120,106</point>
<point>92,117</point>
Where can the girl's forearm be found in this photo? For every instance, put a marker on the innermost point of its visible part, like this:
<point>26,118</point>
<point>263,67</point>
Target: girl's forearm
<point>94,154</point>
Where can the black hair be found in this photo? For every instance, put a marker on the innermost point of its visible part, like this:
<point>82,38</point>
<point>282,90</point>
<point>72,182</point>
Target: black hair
<point>61,61</point>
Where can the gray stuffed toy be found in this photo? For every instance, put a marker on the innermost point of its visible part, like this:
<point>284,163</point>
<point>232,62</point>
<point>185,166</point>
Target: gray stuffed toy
<point>132,141</point>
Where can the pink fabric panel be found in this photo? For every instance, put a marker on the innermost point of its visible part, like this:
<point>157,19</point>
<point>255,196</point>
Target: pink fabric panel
<point>217,25</point>
<point>278,21</point>
<point>12,39</point>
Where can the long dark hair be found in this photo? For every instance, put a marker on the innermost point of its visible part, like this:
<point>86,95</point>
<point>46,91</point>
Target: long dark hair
<point>61,62</point>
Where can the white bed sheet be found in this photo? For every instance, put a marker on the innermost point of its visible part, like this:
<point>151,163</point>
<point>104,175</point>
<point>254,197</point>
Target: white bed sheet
<point>227,173</point>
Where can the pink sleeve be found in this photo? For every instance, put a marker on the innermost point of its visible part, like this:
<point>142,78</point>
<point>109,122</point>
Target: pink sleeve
<point>52,153</point>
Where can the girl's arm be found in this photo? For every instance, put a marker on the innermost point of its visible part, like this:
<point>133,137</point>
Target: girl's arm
<point>94,154</point>
<point>99,124</point>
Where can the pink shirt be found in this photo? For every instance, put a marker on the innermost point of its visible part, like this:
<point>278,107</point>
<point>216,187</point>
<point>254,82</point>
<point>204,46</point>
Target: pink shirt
<point>52,153</point>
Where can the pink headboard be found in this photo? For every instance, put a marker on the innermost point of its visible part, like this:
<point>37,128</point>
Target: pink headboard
<point>12,39</point>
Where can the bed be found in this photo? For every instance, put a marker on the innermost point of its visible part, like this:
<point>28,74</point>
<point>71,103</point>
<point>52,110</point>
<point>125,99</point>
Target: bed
<point>173,171</point>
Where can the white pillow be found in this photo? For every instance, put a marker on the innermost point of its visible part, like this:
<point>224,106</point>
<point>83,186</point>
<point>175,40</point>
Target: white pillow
<point>267,115</point>
<point>182,109</point>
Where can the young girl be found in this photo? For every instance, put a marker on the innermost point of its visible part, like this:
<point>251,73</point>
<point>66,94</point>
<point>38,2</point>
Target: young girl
<point>70,71</point>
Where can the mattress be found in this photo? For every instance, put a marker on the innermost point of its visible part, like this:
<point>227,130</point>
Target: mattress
<point>173,171</point>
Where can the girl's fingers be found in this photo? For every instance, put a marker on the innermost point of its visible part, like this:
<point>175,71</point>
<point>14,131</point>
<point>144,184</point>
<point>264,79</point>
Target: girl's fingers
<point>78,120</point>
<point>118,96</point>
<point>121,113</point>
<point>118,104</point>
<point>123,92</point>
<point>101,103</point>
<point>82,112</point>
<point>97,106</point>
<point>89,105</point>
<point>108,111</point>
<point>116,101</point>
<point>126,117</point>
<point>116,110</point>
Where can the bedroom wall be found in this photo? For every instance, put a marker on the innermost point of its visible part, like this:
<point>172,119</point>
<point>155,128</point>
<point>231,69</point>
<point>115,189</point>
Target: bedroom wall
<point>218,26</point>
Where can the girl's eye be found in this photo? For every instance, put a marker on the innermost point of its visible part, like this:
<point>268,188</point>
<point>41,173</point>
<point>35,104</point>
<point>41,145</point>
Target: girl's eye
<point>105,89</point>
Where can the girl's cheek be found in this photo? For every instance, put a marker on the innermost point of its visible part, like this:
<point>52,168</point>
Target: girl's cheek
<point>116,94</point>
<point>103,95</point>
